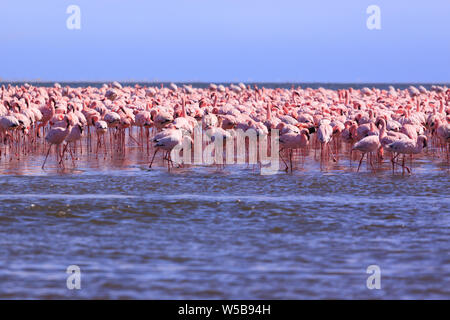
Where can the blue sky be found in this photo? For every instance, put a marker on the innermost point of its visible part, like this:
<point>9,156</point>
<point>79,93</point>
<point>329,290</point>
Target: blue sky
<point>226,40</point>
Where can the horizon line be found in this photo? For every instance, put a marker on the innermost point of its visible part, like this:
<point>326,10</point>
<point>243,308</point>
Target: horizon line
<point>218,82</point>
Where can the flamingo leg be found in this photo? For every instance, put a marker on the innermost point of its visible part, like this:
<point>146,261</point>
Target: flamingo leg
<point>168,161</point>
<point>331,151</point>
<point>403,165</point>
<point>147,134</point>
<point>151,162</point>
<point>63,152</point>
<point>290,158</point>
<point>132,138</point>
<point>98,144</point>
<point>393,163</point>
<point>48,151</point>
<point>395,156</point>
<point>283,159</point>
<point>71,156</point>
<point>360,161</point>
<point>371,161</point>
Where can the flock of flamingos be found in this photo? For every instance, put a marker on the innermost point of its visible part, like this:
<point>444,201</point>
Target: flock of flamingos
<point>386,125</point>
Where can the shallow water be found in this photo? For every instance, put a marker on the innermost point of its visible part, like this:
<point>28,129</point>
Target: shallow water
<point>201,232</point>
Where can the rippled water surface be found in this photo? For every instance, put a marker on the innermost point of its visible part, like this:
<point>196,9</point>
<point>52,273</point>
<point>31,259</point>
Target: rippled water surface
<point>200,232</point>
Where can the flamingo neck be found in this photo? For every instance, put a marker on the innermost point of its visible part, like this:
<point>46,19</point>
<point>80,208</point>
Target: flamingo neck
<point>183,109</point>
<point>383,130</point>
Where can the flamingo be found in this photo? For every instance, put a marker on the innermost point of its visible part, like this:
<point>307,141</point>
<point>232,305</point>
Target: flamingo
<point>167,140</point>
<point>56,136</point>
<point>407,147</point>
<point>101,128</point>
<point>292,141</point>
<point>368,144</point>
<point>74,135</point>
<point>324,134</point>
<point>442,130</point>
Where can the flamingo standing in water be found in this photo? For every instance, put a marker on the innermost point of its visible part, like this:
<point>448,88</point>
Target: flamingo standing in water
<point>47,111</point>
<point>101,128</point>
<point>74,135</point>
<point>388,138</point>
<point>324,134</point>
<point>407,147</point>
<point>167,140</point>
<point>56,136</point>
<point>143,119</point>
<point>368,144</point>
<point>443,132</point>
<point>291,141</point>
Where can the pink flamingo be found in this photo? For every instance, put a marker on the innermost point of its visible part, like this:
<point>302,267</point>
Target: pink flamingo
<point>56,136</point>
<point>368,144</point>
<point>407,147</point>
<point>324,134</point>
<point>292,141</point>
<point>167,140</point>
